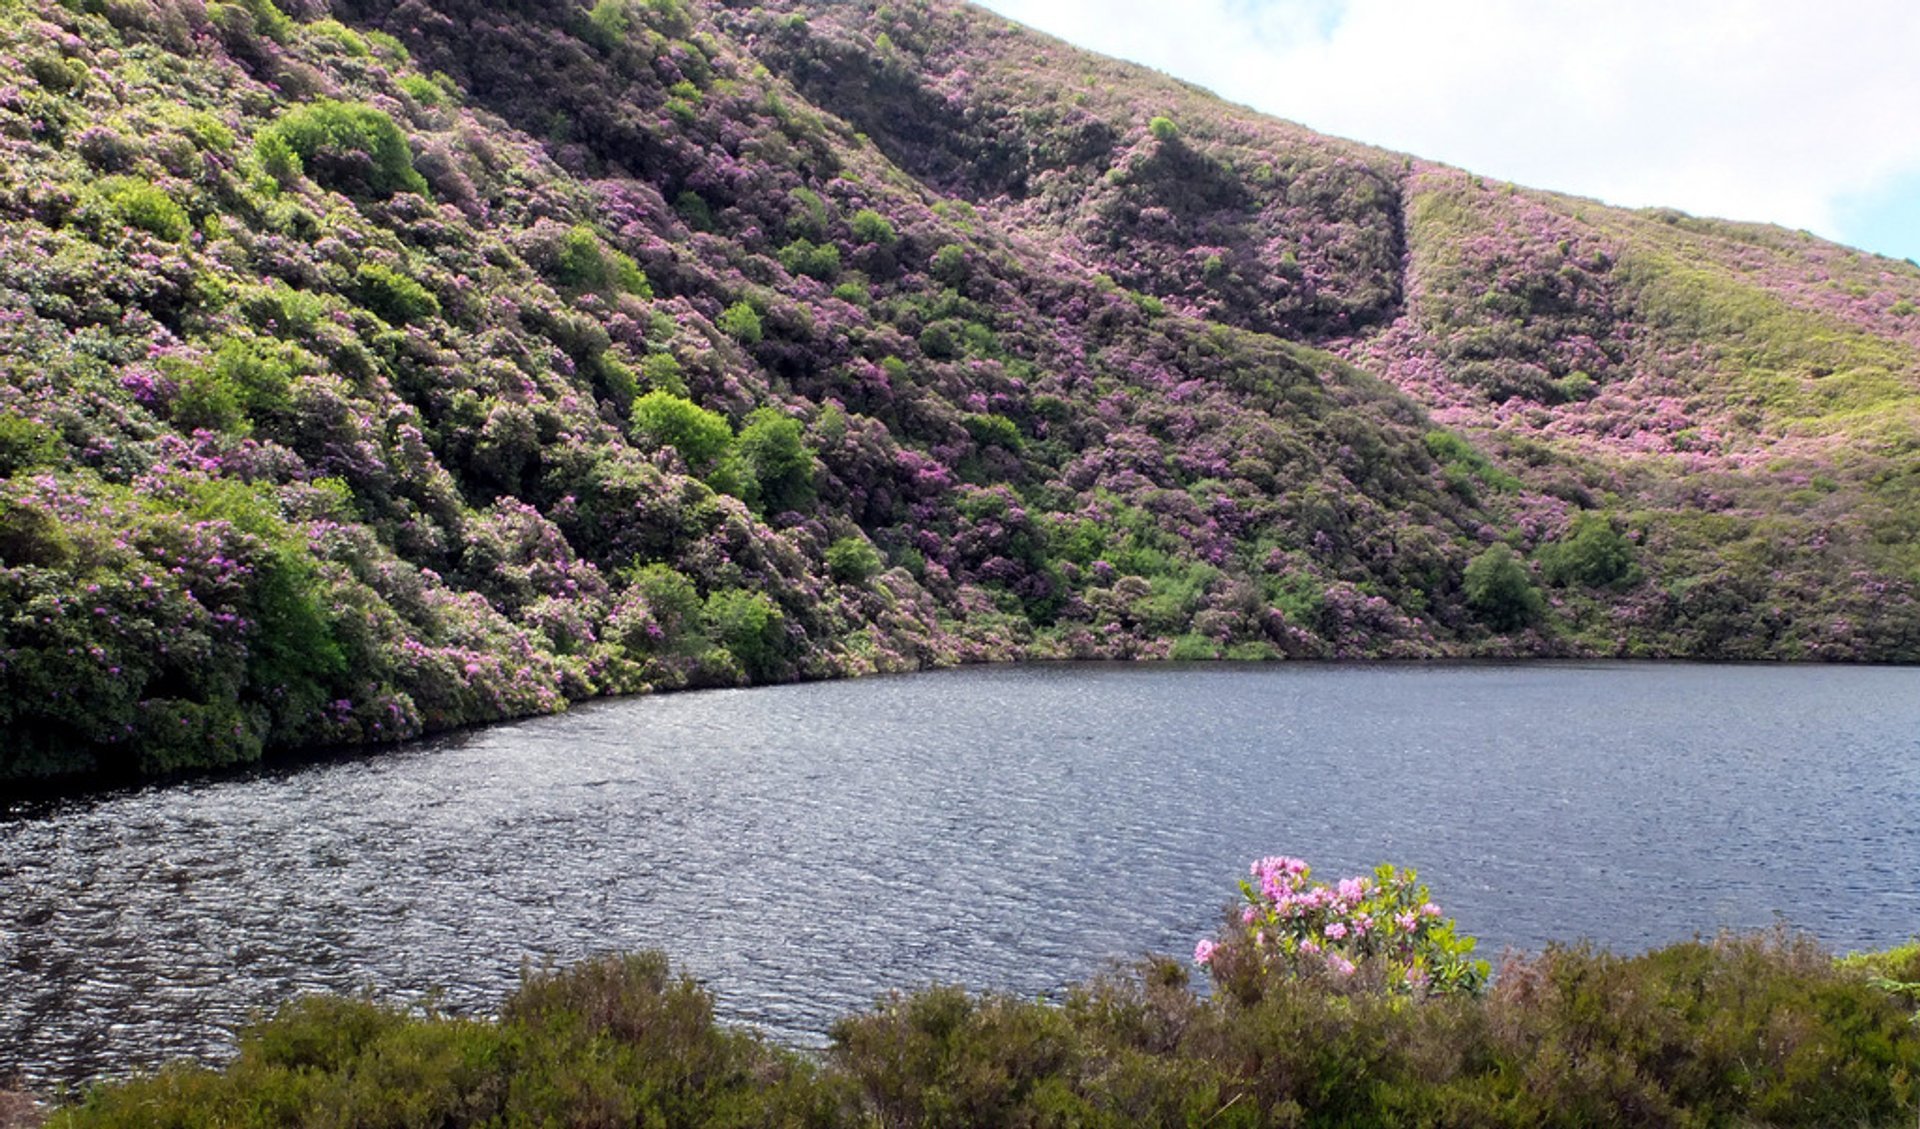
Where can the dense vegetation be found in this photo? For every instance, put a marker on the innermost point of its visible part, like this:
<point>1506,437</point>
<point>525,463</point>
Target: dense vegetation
<point>373,368</point>
<point>1759,1030</point>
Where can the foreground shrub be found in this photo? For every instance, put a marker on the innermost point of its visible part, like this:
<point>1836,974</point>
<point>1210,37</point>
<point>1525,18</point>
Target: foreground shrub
<point>1291,927</point>
<point>1751,1030</point>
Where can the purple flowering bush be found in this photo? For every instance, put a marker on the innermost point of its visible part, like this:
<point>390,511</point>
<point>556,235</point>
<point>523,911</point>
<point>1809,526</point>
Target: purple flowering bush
<point>1383,930</point>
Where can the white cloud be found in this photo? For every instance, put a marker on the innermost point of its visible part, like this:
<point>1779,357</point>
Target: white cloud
<point>1771,110</point>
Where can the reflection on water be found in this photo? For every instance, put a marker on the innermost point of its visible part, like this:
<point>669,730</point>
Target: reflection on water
<point>805,848</point>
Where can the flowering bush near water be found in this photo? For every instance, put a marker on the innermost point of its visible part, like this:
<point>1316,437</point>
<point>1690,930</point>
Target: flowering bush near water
<point>1386,924</point>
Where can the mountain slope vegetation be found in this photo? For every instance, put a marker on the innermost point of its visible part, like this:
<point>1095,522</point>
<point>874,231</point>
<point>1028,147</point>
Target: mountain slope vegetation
<point>371,369</point>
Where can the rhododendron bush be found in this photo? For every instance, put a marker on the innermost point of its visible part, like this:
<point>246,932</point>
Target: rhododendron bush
<point>1383,929</point>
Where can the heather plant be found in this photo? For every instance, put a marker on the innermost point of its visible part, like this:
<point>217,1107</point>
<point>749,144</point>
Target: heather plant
<point>1740,1030</point>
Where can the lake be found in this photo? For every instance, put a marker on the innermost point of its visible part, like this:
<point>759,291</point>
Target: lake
<point>806,848</point>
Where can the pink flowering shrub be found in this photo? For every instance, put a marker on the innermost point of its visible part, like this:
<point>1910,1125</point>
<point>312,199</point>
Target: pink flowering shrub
<point>1383,930</point>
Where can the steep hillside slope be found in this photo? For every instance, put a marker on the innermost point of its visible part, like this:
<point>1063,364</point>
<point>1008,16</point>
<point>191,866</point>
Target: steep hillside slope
<point>372,368</point>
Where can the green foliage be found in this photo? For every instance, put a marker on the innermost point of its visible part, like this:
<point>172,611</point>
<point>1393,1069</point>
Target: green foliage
<point>397,298</point>
<point>1465,467</point>
<point>138,203</point>
<point>949,264</point>
<point>1901,309</point>
<point>750,627</point>
<point>674,605</point>
<point>808,219</point>
<point>661,373</point>
<point>852,560</point>
<point>870,226</point>
<point>1592,552</point>
<point>421,89</point>
<point>702,437</point>
<point>693,208</point>
<point>819,261</point>
<point>581,262</point>
<point>1498,588</point>
<point>741,322</point>
<point>26,444</point>
<point>353,148</point>
<point>1740,1031</point>
<point>608,22</point>
<point>1163,129</point>
<point>774,448</point>
<point>207,399</point>
<point>992,430</point>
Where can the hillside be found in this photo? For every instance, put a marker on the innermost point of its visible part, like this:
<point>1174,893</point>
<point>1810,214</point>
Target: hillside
<point>372,369</point>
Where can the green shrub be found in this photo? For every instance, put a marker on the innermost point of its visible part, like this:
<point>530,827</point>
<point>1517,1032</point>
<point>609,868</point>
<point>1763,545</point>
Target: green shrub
<point>661,373</point>
<point>1591,552</point>
<point>750,627</point>
<point>25,444</point>
<point>206,399</point>
<point>741,322</point>
<point>781,464</point>
<point>870,226</point>
<point>581,262</point>
<point>852,560</point>
<point>666,420</point>
<point>674,605</point>
<point>1759,1030</point>
<point>992,430</point>
<point>1163,129</point>
<point>693,208</point>
<point>421,89</point>
<point>1499,589</point>
<point>949,264</point>
<point>138,203</point>
<point>346,146</point>
<point>608,22</point>
<point>395,297</point>
<point>818,261</point>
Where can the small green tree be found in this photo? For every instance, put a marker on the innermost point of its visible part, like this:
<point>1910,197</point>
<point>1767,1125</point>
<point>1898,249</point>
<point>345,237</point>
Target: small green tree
<point>666,420</point>
<point>870,226</point>
<point>346,146</point>
<point>852,560</point>
<point>1591,552</point>
<point>741,322</point>
<point>1499,589</point>
<point>1163,129</point>
<point>750,627</point>
<point>778,459</point>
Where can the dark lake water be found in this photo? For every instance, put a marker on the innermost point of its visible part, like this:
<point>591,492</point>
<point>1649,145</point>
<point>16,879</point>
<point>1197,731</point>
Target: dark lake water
<point>806,848</point>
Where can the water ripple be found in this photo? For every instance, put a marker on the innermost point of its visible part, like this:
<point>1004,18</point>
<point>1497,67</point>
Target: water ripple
<point>805,849</point>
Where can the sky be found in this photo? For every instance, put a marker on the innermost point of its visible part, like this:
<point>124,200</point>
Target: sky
<point>1804,113</point>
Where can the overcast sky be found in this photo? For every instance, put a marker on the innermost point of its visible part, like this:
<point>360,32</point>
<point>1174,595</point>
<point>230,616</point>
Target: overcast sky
<point>1804,113</point>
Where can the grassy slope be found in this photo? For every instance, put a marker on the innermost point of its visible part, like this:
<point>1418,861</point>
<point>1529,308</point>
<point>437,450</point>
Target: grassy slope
<point>667,345</point>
